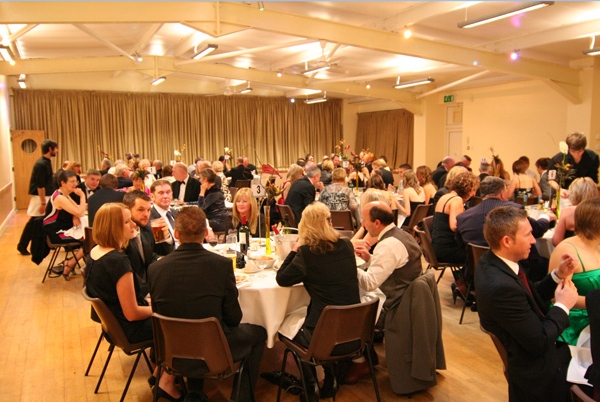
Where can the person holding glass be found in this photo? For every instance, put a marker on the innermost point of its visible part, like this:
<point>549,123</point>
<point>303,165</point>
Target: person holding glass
<point>109,277</point>
<point>325,263</point>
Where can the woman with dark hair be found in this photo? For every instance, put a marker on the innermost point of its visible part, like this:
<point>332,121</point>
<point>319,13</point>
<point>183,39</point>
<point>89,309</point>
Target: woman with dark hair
<point>522,185</point>
<point>137,178</point>
<point>109,277</point>
<point>325,263</point>
<point>462,187</point>
<point>585,249</point>
<point>63,214</point>
<point>376,184</point>
<point>212,201</point>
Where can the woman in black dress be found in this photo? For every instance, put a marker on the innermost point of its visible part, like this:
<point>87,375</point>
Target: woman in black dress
<point>212,201</point>
<point>63,214</point>
<point>109,277</point>
<point>325,263</point>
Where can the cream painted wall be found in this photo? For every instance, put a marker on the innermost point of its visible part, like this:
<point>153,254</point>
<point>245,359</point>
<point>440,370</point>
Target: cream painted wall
<point>526,118</point>
<point>6,191</point>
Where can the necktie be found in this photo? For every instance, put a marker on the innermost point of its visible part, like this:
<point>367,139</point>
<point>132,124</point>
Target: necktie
<point>138,242</point>
<point>169,216</point>
<point>523,279</point>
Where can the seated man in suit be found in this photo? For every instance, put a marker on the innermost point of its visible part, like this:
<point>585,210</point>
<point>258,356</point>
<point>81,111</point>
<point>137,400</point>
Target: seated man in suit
<point>140,249</point>
<point>516,310</point>
<point>88,186</point>
<point>162,195</point>
<point>185,188</point>
<point>107,192</point>
<point>386,175</point>
<point>194,283</point>
<point>123,175</point>
<point>302,193</point>
<point>238,173</point>
<point>470,224</point>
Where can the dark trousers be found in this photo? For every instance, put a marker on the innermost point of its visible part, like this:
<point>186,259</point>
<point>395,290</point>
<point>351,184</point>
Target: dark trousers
<point>27,234</point>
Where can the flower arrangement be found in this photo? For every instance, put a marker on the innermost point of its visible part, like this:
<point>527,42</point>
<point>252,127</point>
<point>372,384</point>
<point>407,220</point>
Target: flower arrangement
<point>339,150</point>
<point>228,153</point>
<point>179,154</point>
<point>563,172</point>
<point>104,154</point>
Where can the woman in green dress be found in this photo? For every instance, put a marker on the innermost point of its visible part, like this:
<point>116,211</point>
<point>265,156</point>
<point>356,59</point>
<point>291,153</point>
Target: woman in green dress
<point>585,249</point>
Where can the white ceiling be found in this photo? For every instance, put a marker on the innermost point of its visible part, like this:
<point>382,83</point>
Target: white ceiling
<point>363,43</point>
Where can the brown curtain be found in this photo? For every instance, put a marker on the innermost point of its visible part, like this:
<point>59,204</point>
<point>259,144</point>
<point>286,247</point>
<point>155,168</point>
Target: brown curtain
<point>389,133</point>
<point>267,130</point>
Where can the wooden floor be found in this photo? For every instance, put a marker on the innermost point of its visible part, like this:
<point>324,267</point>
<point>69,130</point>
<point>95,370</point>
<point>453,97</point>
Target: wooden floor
<point>47,339</point>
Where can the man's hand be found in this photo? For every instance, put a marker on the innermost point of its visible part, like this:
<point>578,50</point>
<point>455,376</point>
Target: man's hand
<point>566,293</point>
<point>566,266</point>
<point>42,209</point>
<point>551,216</point>
<point>362,252</point>
<point>319,186</point>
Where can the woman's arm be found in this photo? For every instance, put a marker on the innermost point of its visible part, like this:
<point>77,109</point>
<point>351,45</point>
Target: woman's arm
<point>211,198</point>
<point>126,293</point>
<point>536,188</point>
<point>406,196</point>
<point>67,204</point>
<point>512,186</point>
<point>457,207</point>
<point>293,269</point>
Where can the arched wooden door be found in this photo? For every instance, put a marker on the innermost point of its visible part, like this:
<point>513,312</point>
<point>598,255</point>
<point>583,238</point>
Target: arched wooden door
<point>26,148</point>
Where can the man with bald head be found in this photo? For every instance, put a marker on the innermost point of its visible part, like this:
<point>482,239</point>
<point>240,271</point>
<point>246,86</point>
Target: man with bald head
<point>396,259</point>
<point>439,175</point>
<point>185,188</point>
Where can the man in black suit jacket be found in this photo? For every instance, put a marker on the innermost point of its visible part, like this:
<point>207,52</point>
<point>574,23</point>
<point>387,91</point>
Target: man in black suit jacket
<point>123,176</point>
<point>238,173</point>
<point>88,186</point>
<point>441,171</point>
<point>162,195</point>
<point>107,193</point>
<point>140,249</point>
<point>386,175</point>
<point>194,283</point>
<point>515,310</point>
<point>302,193</point>
<point>469,227</point>
<point>192,186</point>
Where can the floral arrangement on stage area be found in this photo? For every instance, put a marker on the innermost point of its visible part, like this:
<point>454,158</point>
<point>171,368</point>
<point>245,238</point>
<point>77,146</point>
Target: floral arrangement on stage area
<point>179,154</point>
<point>339,150</point>
<point>104,154</point>
<point>496,161</point>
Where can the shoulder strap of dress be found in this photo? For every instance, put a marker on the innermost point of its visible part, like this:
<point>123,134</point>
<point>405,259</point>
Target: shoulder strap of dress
<point>577,251</point>
<point>444,207</point>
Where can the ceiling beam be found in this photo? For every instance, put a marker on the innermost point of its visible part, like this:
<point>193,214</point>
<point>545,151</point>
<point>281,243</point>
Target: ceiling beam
<point>160,65</point>
<point>101,39</point>
<point>245,16</point>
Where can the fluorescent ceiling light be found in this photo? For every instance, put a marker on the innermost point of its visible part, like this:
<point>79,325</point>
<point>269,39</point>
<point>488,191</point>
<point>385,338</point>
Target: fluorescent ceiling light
<point>21,81</point>
<point>7,55</point>
<point>317,69</point>
<point>159,80</point>
<point>317,100</point>
<point>208,49</point>
<point>245,90</point>
<point>413,83</point>
<point>519,9</point>
<point>592,52</point>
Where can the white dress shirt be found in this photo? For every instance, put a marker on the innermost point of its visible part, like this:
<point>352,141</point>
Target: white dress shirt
<point>163,214</point>
<point>389,254</point>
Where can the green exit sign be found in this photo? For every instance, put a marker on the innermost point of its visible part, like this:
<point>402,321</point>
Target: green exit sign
<point>448,98</point>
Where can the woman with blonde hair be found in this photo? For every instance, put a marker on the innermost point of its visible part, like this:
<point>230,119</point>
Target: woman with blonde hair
<point>218,167</point>
<point>294,173</point>
<point>425,180</point>
<point>582,188</point>
<point>244,205</point>
<point>413,194</point>
<point>325,263</point>
<point>109,276</point>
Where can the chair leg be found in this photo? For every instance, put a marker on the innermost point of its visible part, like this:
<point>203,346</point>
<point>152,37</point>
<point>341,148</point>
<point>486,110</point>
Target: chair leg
<point>110,352</point>
<point>155,390</point>
<point>51,263</point>
<point>147,361</point>
<point>285,353</point>
<point>302,377</point>
<point>441,274</point>
<point>239,380</point>
<point>94,354</point>
<point>370,360</point>
<point>465,303</point>
<point>137,360</point>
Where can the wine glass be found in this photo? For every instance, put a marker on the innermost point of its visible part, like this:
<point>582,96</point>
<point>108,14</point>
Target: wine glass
<point>213,242</point>
<point>261,264</point>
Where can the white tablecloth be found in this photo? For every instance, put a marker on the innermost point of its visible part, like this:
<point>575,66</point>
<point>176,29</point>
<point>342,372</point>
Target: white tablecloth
<point>267,304</point>
<point>544,244</point>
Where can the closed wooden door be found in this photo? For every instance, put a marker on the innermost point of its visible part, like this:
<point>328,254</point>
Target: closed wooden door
<point>26,148</point>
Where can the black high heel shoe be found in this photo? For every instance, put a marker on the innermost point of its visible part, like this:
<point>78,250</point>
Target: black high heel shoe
<point>456,293</point>
<point>164,394</point>
<point>329,388</point>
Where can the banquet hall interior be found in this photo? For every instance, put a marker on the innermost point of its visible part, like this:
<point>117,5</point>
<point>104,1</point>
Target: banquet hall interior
<point>510,87</point>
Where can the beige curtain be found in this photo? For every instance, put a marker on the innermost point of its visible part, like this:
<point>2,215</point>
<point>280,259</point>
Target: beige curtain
<point>389,133</point>
<point>267,130</point>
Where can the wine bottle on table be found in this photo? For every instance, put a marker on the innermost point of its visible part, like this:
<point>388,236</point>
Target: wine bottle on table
<point>244,236</point>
